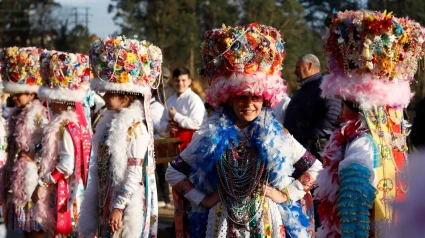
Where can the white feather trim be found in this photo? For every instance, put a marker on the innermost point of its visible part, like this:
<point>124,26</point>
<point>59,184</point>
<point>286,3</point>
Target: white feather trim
<point>88,220</point>
<point>117,142</point>
<point>133,214</point>
<point>103,86</point>
<point>46,215</point>
<point>31,179</point>
<point>14,88</point>
<point>62,94</point>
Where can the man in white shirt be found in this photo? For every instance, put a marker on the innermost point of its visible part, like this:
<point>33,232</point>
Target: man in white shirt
<point>186,110</point>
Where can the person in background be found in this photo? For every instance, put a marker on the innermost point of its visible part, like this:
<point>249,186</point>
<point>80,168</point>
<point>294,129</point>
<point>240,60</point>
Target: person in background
<point>309,117</point>
<point>185,112</point>
<point>96,109</point>
<point>166,88</point>
<point>157,111</point>
<point>418,128</point>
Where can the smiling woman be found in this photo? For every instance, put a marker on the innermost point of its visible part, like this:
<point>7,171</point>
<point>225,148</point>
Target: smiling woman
<point>236,174</point>
<point>246,107</point>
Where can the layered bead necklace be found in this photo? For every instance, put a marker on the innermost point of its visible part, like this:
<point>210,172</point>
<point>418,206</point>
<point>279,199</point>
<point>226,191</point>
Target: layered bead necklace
<point>242,176</point>
<point>103,170</point>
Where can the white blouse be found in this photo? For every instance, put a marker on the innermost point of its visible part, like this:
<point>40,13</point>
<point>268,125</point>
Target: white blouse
<point>136,152</point>
<point>360,151</point>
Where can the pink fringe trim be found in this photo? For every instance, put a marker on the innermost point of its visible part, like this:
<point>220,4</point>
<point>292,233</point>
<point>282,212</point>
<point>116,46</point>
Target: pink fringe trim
<point>25,130</point>
<point>46,213</point>
<point>18,180</point>
<point>3,191</point>
<point>366,90</point>
<point>272,88</point>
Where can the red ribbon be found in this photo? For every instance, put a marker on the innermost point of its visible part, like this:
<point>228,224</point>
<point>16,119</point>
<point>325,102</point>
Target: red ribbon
<point>80,135</point>
<point>64,223</point>
<point>85,139</point>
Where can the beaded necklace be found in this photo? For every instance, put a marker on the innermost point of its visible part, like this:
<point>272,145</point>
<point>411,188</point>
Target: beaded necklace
<point>242,176</point>
<point>103,170</point>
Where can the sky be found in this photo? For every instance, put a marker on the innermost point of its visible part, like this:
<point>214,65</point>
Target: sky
<point>100,22</point>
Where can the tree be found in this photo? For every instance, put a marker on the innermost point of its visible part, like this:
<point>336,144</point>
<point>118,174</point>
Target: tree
<point>317,10</point>
<point>170,24</point>
<point>26,22</point>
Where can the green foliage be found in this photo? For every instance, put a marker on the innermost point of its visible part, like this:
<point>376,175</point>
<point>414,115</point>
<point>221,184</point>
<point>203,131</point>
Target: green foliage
<point>177,26</point>
<point>26,22</point>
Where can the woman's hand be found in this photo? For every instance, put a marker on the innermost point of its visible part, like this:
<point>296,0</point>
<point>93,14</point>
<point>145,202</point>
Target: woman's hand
<point>274,194</point>
<point>115,220</point>
<point>38,194</point>
<point>210,200</point>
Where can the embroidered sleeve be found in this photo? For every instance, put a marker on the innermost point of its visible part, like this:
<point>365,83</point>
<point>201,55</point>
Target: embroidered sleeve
<point>303,164</point>
<point>306,170</point>
<point>66,155</point>
<point>123,199</point>
<point>137,140</point>
<point>136,150</point>
<point>180,165</point>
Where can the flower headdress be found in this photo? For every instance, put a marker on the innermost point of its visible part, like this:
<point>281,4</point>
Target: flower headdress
<point>66,76</point>
<point>21,70</point>
<point>125,65</point>
<point>372,57</point>
<point>245,58</point>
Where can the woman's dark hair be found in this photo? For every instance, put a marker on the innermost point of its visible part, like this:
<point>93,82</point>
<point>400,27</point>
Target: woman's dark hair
<point>353,106</point>
<point>131,97</point>
<point>181,71</point>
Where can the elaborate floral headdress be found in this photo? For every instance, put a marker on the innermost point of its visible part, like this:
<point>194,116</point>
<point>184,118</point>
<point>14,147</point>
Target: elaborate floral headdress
<point>21,70</point>
<point>66,76</point>
<point>125,65</point>
<point>372,57</point>
<point>245,58</point>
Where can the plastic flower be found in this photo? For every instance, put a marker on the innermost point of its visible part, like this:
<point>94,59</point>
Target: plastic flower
<point>123,78</point>
<point>131,57</point>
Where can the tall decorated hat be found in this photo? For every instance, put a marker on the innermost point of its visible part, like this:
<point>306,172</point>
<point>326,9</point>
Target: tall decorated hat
<point>20,69</point>
<point>372,57</point>
<point>66,76</point>
<point>122,65</point>
<point>243,59</point>
<point>125,65</point>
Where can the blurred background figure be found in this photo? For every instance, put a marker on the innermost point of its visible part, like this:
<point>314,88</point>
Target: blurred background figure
<point>97,109</point>
<point>418,129</point>
<point>166,88</point>
<point>185,110</point>
<point>410,213</point>
<point>309,117</point>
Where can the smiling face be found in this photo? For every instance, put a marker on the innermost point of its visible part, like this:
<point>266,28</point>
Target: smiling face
<point>182,83</point>
<point>247,107</point>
